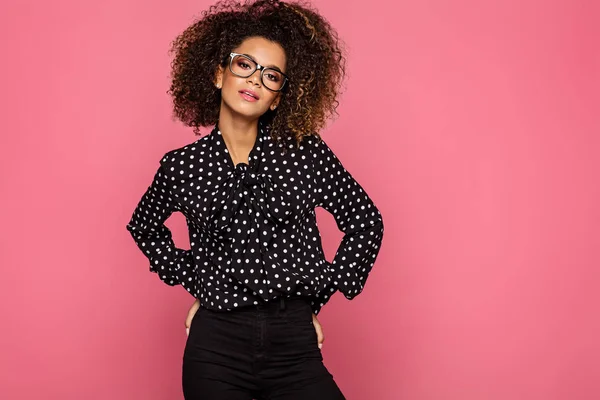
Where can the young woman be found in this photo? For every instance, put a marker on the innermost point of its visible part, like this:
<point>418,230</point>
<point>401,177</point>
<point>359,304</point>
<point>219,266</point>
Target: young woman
<point>267,75</point>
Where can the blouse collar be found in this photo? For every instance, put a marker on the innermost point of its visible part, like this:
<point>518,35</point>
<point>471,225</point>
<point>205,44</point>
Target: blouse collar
<point>223,158</point>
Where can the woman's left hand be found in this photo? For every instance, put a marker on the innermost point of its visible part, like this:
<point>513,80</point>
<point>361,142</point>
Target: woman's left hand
<point>319,329</point>
<point>190,316</point>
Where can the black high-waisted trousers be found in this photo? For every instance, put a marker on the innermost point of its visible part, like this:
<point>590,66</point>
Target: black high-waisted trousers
<point>264,352</point>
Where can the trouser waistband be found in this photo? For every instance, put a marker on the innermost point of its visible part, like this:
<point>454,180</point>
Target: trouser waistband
<point>281,302</point>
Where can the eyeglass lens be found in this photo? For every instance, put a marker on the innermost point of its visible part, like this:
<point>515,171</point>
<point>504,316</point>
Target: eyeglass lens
<point>244,67</point>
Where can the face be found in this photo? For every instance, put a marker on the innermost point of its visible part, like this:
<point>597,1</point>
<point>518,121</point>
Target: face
<point>264,52</point>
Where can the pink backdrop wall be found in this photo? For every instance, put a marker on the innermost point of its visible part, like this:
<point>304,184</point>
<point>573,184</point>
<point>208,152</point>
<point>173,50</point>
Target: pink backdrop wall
<point>484,140</point>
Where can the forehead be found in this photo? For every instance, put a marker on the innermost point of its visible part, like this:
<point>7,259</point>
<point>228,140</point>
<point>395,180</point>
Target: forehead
<point>264,51</point>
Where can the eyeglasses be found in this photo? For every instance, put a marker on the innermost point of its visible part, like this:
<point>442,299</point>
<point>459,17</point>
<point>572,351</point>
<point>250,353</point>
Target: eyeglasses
<point>243,66</point>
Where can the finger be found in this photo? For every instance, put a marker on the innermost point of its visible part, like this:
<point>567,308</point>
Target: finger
<point>189,318</point>
<point>188,323</point>
<point>187,331</point>
<point>320,336</point>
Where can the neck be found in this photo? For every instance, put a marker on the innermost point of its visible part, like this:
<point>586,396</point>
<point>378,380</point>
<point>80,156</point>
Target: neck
<point>239,135</point>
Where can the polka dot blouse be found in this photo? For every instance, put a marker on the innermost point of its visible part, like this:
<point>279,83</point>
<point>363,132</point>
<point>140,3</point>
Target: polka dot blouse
<point>253,231</point>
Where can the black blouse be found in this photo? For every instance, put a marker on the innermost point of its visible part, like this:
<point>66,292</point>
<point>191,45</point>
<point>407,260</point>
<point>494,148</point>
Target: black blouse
<point>253,231</point>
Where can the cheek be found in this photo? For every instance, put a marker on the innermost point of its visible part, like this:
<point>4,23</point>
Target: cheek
<point>269,97</point>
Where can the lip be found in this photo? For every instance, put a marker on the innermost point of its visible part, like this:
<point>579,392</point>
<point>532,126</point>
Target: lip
<point>253,93</point>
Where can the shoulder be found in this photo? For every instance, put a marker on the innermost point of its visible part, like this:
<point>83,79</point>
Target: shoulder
<point>316,147</point>
<point>321,153</point>
<point>192,151</point>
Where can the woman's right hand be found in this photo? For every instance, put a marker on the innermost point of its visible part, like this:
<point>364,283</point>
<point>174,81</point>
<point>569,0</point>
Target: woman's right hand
<point>190,315</point>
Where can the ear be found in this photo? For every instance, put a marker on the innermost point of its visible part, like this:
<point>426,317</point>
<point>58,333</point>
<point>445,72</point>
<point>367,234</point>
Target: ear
<point>218,81</point>
<point>275,102</point>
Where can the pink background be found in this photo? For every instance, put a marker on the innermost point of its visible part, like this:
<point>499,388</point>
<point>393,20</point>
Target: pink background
<point>482,135</point>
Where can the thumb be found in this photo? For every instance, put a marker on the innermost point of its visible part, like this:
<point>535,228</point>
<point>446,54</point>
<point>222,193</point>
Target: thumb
<point>320,336</point>
<point>188,323</point>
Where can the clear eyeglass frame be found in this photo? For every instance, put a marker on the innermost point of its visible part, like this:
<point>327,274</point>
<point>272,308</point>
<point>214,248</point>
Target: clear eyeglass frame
<point>262,70</point>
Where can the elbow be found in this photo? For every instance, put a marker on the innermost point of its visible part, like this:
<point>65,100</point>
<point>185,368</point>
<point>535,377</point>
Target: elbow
<point>377,229</point>
<point>380,225</point>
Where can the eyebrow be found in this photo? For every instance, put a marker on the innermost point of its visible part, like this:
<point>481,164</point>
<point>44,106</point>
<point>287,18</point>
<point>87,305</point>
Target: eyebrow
<point>266,66</point>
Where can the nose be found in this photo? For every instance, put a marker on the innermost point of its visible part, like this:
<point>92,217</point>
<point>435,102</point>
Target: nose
<point>255,77</point>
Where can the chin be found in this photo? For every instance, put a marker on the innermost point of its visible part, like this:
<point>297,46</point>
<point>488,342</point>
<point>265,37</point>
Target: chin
<point>245,109</point>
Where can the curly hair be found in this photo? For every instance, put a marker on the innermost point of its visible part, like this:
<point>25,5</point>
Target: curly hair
<point>316,64</point>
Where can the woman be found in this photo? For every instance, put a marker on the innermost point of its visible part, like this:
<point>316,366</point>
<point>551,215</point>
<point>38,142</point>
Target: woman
<point>267,75</point>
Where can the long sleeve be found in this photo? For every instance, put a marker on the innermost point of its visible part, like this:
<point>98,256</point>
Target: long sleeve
<point>151,235</point>
<point>356,216</point>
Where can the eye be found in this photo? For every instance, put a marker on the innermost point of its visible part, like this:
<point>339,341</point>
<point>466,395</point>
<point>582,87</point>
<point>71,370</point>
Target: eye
<point>274,77</point>
<point>243,64</point>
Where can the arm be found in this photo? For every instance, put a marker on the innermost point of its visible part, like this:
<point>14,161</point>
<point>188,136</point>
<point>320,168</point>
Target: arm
<point>356,216</point>
<point>151,235</point>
